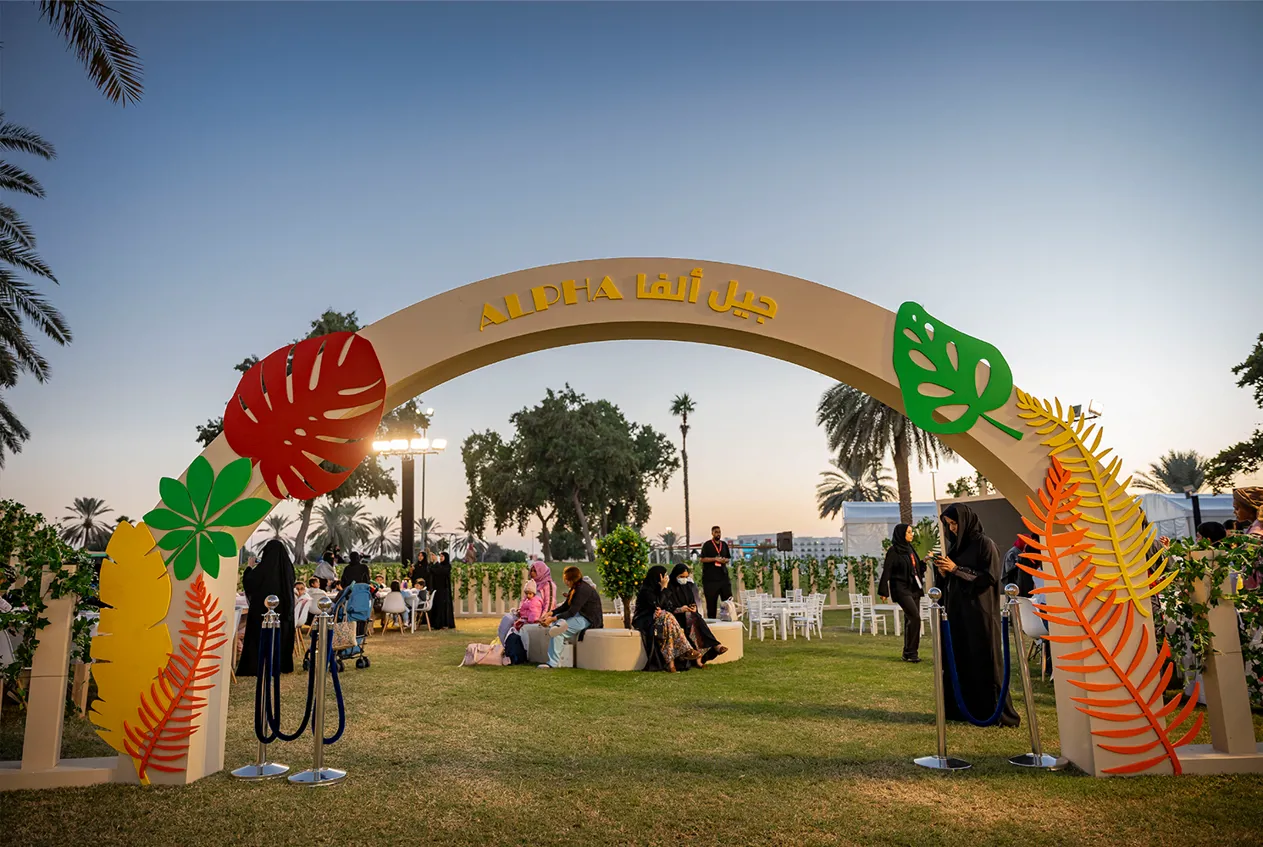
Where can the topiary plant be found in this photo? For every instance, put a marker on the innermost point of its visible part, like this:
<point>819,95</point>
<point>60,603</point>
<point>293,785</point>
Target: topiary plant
<point>622,561</point>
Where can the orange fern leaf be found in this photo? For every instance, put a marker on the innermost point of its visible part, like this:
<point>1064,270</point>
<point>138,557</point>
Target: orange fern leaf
<point>1092,612</point>
<point>166,713</point>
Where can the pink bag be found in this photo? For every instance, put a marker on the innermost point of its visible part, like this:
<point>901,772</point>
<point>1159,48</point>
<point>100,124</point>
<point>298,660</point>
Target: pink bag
<point>484,654</point>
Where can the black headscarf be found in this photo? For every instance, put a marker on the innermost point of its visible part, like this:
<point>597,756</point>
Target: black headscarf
<point>357,571</point>
<point>649,599</point>
<point>675,595</point>
<point>969,532</point>
<point>899,541</point>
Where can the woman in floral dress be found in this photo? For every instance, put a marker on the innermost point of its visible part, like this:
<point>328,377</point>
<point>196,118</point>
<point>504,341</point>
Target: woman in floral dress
<point>665,641</point>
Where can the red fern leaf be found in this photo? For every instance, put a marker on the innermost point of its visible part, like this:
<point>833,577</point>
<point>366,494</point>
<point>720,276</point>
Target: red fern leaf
<point>167,711</point>
<point>1091,610</point>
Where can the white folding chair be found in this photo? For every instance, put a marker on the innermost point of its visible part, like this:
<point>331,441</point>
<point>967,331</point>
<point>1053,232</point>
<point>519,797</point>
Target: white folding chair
<point>856,611</point>
<point>925,613</point>
<point>418,607</point>
<point>871,616</point>
<point>393,607</point>
<point>1034,628</point>
<point>761,617</point>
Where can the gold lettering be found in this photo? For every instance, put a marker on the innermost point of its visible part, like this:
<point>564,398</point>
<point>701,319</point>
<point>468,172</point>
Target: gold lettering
<point>569,291</point>
<point>490,315</point>
<point>608,290</point>
<point>541,300</point>
<point>515,307</point>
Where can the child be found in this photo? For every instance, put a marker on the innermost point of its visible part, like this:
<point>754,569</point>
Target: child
<point>528,612</point>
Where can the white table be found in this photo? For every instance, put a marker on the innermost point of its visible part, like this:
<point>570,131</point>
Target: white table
<point>897,614</point>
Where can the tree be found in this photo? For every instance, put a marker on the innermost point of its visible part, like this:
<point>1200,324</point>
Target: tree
<point>963,487</point>
<point>343,524</point>
<point>577,460</point>
<point>1172,472</point>
<point>20,303</point>
<point>841,485</point>
<point>111,62</point>
<point>623,558</point>
<point>468,544</point>
<point>277,524</point>
<point>865,430</point>
<point>383,538</point>
<point>670,540</point>
<point>85,526</point>
<point>682,406</point>
<point>566,545</point>
<point>1244,457</point>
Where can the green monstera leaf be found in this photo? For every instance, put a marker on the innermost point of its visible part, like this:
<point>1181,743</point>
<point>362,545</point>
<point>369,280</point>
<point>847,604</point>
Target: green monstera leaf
<point>195,507</point>
<point>941,368</point>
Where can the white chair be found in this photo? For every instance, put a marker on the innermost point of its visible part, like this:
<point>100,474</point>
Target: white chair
<point>856,613</point>
<point>419,608</point>
<point>870,616</point>
<point>618,605</point>
<point>393,607</point>
<point>806,615</point>
<point>761,617</point>
<point>925,613</point>
<point>1034,628</point>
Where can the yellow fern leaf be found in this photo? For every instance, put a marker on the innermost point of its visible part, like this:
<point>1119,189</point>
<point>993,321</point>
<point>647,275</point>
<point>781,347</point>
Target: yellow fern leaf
<point>132,642</point>
<point>1113,518</point>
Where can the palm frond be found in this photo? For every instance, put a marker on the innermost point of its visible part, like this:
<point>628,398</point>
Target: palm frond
<point>111,62</point>
<point>23,140</point>
<point>13,178</point>
<point>24,257</point>
<point>17,295</point>
<point>14,228</point>
<point>12,433</point>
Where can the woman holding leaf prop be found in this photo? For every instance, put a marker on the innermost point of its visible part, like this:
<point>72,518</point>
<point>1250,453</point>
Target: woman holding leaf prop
<point>970,578</point>
<point>274,574</point>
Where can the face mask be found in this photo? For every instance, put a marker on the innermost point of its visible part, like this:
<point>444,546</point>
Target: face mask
<point>683,580</point>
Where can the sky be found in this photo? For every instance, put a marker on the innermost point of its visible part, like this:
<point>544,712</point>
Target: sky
<point>1080,184</point>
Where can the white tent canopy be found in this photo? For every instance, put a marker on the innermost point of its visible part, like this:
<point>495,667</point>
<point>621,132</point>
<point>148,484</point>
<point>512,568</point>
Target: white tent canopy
<point>1172,514</point>
<point>866,525</point>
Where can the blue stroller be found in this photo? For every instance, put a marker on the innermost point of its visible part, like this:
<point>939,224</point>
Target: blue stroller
<point>355,605</point>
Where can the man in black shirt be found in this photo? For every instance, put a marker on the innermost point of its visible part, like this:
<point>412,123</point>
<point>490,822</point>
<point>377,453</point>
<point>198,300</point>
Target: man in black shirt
<point>715,582</point>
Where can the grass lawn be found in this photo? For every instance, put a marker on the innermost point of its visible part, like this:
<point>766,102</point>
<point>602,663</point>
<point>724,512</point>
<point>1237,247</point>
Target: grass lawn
<point>798,744</point>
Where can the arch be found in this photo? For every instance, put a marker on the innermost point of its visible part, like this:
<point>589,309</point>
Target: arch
<point>785,317</point>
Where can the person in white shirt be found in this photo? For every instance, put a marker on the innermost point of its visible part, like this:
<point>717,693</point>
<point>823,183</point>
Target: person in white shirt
<point>314,593</point>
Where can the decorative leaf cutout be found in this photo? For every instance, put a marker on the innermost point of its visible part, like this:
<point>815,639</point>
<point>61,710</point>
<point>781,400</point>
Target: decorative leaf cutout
<point>189,539</point>
<point>168,711</point>
<point>317,401</point>
<point>1120,539</point>
<point>132,642</point>
<point>1091,611</point>
<point>939,367</point>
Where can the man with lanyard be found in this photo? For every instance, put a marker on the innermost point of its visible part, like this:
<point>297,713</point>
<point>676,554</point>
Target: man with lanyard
<point>715,582</point>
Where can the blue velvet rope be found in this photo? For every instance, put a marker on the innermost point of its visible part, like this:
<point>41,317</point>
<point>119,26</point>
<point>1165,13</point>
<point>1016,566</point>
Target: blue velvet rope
<point>337,692</point>
<point>946,629</point>
<point>262,677</point>
<point>272,699</point>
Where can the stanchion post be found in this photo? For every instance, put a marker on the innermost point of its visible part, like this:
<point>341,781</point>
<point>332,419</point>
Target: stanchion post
<point>941,761</point>
<point>262,768</point>
<point>1037,758</point>
<point>319,774</point>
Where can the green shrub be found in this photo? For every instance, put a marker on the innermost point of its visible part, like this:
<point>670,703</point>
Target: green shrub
<point>622,561</point>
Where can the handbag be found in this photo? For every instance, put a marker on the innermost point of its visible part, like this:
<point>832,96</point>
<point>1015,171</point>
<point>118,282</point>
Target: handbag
<point>483,654</point>
<point>343,635</point>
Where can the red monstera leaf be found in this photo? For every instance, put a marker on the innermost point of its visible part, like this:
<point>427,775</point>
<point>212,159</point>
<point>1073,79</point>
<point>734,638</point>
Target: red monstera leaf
<point>319,400</point>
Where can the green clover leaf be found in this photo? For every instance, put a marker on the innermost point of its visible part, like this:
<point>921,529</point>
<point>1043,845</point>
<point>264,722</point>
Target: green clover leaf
<point>193,507</point>
<point>940,367</point>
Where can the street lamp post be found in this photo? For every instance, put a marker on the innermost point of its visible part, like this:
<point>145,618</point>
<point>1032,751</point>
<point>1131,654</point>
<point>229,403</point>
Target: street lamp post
<point>407,450</point>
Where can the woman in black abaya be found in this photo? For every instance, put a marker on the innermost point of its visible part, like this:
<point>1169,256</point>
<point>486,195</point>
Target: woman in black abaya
<point>664,640</point>
<point>903,580</point>
<point>970,577</point>
<point>274,574</point>
<point>355,572</point>
<point>421,571</point>
<point>679,599</point>
<point>443,616</point>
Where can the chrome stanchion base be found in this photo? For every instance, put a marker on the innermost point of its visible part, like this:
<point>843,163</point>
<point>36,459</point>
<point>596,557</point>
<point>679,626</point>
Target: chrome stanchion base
<point>938,763</point>
<point>261,770</point>
<point>324,776</point>
<point>1044,761</point>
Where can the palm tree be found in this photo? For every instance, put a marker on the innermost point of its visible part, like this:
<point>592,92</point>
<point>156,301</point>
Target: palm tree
<point>383,538</point>
<point>865,430</point>
<point>426,528</point>
<point>840,486</point>
<point>86,526</point>
<point>342,524</point>
<point>277,524</point>
<point>1174,471</point>
<point>20,304</point>
<point>110,61</point>
<point>669,540</point>
<point>467,540</point>
<point>681,406</point>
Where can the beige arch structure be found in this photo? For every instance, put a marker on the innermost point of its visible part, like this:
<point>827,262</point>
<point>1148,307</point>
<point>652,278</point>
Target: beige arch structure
<point>792,319</point>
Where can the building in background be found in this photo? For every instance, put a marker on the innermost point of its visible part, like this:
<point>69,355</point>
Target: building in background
<point>820,547</point>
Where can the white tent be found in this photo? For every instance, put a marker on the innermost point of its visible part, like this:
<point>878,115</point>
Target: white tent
<point>1172,514</point>
<point>866,525</point>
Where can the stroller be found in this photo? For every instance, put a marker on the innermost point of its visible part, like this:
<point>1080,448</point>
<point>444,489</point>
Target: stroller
<point>355,605</point>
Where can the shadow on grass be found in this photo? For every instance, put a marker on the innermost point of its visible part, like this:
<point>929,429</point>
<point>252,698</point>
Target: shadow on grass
<point>816,710</point>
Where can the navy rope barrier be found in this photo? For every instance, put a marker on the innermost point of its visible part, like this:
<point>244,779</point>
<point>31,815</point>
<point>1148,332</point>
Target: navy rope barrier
<point>272,704</point>
<point>337,692</point>
<point>262,679</point>
<point>951,673</point>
